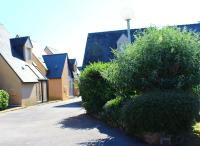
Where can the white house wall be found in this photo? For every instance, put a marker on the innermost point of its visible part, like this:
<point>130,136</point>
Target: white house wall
<point>29,94</point>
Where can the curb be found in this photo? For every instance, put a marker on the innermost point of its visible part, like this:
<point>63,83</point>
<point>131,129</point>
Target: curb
<point>11,109</point>
<point>39,104</point>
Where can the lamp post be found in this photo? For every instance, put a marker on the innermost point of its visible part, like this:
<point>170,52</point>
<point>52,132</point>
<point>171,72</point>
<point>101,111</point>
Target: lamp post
<point>127,15</point>
<point>128,30</point>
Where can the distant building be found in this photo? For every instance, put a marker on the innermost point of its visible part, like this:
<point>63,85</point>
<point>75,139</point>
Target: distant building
<point>32,74</point>
<point>100,44</point>
<point>57,74</point>
<point>72,71</point>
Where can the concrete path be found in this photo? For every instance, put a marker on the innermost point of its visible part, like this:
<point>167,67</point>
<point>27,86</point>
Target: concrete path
<point>58,124</point>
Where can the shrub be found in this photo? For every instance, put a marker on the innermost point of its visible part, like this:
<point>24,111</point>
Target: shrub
<point>113,75</point>
<point>196,90</point>
<point>94,89</point>
<point>112,111</point>
<point>171,112</point>
<point>4,97</point>
<point>166,58</point>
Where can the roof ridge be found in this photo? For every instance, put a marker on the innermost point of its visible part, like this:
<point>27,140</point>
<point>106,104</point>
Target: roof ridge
<point>115,30</point>
<point>20,37</point>
<point>55,54</point>
<point>142,28</point>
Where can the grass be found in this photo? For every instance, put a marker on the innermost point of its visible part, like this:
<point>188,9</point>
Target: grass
<point>197,130</point>
<point>195,140</point>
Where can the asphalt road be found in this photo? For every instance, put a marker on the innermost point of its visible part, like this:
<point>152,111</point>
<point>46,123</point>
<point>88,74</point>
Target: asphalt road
<point>58,124</point>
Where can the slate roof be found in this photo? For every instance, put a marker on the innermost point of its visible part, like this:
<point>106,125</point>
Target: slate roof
<point>21,69</point>
<point>192,27</point>
<point>55,64</point>
<point>71,63</point>
<point>80,68</point>
<point>100,44</point>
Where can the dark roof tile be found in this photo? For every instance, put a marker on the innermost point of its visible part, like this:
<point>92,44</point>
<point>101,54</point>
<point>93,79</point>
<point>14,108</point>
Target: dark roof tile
<point>17,45</point>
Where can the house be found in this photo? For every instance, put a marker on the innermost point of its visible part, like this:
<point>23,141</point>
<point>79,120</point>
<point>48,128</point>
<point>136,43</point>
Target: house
<point>71,69</point>
<point>58,76</point>
<point>19,75</point>
<point>100,44</point>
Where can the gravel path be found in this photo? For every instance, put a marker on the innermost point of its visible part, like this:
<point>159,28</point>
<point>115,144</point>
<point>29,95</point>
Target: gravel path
<point>58,124</point>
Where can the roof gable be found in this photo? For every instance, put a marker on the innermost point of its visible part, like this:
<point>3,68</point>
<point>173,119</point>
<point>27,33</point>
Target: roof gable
<point>99,45</point>
<point>55,64</point>
<point>122,42</point>
<point>28,43</point>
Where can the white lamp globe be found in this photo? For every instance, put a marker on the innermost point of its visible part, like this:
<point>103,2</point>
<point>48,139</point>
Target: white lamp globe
<point>127,13</point>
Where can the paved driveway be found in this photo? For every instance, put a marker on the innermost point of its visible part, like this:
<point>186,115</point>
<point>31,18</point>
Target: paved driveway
<point>58,124</point>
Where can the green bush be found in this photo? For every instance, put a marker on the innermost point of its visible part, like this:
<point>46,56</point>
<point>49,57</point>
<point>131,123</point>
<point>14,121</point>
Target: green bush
<point>112,111</point>
<point>94,89</point>
<point>115,77</point>
<point>196,90</point>
<point>171,112</point>
<point>166,58</point>
<point>4,97</point>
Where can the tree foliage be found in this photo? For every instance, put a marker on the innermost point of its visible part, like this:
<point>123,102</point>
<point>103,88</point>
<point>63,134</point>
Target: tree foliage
<point>166,58</point>
<point>4,98</point>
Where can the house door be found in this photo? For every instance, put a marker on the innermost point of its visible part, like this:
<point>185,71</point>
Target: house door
<point>44,91</point>
<point>71,87</point>
<point>39,92</point>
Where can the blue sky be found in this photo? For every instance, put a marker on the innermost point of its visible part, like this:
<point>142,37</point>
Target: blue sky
<point>64,24</point>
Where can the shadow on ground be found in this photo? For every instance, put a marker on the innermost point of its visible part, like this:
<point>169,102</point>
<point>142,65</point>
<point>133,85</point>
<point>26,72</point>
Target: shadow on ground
<point>100,142</point>
<point>115,136</point>
<point>69,105</point>
<point>82,121</point>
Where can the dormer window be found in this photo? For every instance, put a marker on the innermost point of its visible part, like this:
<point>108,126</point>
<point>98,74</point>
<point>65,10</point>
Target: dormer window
<point>122,42</point>
<point>27,54</point>
<point>21,48</point>
<point>28,50</point>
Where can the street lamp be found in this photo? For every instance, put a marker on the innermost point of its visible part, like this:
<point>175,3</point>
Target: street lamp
<point>127,14</point>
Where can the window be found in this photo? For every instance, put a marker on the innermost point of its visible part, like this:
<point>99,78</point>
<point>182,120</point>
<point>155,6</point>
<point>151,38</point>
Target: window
<point>27,54</point>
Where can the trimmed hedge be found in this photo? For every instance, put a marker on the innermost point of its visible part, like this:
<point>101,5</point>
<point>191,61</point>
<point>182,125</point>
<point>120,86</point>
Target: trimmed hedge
<point>171,112</point>
<point>160,70</point>
<point>94,89</point>
<point>112,111</point>
<point>4,98</point>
